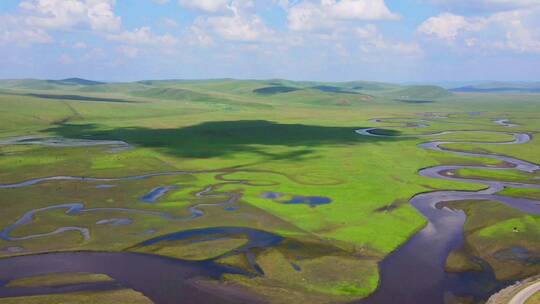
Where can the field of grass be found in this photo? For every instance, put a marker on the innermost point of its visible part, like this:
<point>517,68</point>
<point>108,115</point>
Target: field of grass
<point>59,279</point>
<point>115,296</point>
<point>248,138</point>
<point>502,236</point>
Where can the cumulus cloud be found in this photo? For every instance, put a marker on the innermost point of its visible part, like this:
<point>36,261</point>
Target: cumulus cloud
<point>170,22</point>
<point>65,59</point>
<point>205,5</point>
<point>448,26</point>
<point>283,3</point>
<point>238,22</point>
<point>36,20</point>
<point>239,28</point>
<point>129,51</point>
<point>483,6</point>
<point>516,30</point>
<point>372,41</point>
<point>144,36</point>
<point>14,31</point>
<point>310,15</point>
<point>79,45</point>
<point>61,14</point>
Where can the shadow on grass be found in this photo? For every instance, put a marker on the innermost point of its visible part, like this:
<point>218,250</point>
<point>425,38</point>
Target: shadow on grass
<point>223,138</point>
<point>414,101</point>
<point>77,98</point>
<point>70,97</point>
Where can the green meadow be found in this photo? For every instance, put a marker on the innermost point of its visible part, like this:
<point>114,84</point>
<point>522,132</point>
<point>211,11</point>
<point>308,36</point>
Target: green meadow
<point>247,137</point>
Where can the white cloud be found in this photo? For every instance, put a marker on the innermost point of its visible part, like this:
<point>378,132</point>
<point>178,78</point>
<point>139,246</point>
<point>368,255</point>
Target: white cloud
<point>448,26</point>
<point>94,54</point>
<point>65,59</point>
<point>211,6</point>
<point>80,45</point>
<point>516,30</point>
<point>170,22</point>
<point>283,3</point>
<point>64,14</point>
<point>312,15</point>
<point>12,31</point>
<point>483,6</point>
<point>237,23</point>
<point>372,41</point>
<point>161,2</point>
<point>239,28</point>
<point>198,35</point>
<point>129,51</point>
<point>144,36</point>
<point>521,30</point>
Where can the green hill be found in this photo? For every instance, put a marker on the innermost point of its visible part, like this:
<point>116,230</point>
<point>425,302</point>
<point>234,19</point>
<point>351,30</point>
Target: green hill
<point>420,92</point>
<point>500,87</point>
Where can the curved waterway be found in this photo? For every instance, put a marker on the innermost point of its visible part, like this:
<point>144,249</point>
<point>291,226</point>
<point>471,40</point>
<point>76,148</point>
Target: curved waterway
<point>162,280</point>
<point>115,145</point>
<point>415,273</point>
<point>71,209</point>
<point>412,274</point>
<point>74,209</point>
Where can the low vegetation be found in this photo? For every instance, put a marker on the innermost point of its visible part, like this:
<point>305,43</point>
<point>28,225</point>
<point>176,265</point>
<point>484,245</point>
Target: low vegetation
<point>221,137</point>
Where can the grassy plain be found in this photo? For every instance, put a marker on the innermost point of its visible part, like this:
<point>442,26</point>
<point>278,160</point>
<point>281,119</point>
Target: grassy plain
<point>297,140</point>
<point>59,279</point>
<point>124,296</point>
<point>502,236</point>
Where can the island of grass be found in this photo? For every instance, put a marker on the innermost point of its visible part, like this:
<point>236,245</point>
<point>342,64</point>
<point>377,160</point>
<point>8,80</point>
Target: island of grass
<point>222,144</point>
<point>59,279</point>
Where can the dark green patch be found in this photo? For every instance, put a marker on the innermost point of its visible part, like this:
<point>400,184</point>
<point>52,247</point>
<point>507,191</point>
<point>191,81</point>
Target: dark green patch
<point>218,138</point>
<point>333,89</point>
<point>75,81</point>
<point>386,132</point>
<point>78,98</point>
<point>275,90</point>
<point>174,94</point>
<point>414,100</point>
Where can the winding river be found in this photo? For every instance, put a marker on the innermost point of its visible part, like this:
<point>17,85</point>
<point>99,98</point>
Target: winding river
<point>415,273</point>
<point>412,274</point>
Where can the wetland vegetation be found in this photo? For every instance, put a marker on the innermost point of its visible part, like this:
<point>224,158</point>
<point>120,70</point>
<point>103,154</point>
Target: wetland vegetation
<point>264,191</point>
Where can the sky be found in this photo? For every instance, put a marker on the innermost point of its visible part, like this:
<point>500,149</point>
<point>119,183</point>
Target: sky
<point>328,40</point>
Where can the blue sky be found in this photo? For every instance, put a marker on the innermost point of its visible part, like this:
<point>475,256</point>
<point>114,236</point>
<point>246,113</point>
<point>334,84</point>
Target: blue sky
<point>332,40</point>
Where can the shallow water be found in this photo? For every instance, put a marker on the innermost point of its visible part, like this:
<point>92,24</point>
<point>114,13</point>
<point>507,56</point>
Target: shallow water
<point>415,272</point>
<point>505,123</point>
<point>271,195</point>
<point>256,238</point>
<point>156,193</point>
<point>71,209</point>
<point>115,222</point>
<point>412,274</point>
<point>312,201</point>
<point>115,145</point>
<point>163,280</point>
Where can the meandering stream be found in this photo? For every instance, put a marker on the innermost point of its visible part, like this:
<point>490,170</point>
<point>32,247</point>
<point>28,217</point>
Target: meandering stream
<point>415,273</point>
<point>412,274</point>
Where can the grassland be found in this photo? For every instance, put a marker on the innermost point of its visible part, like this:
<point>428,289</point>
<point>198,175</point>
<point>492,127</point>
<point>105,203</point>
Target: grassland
<point>117,296</point>
<point>502,236</point>
<point>59,279</point>
<point>251,137</point>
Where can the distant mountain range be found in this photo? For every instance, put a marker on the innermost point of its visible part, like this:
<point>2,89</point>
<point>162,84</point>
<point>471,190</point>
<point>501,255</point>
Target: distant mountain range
<point>75,81</point>
<point>500,87</point>
<point>194,89</point>
<point>210,90</point>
